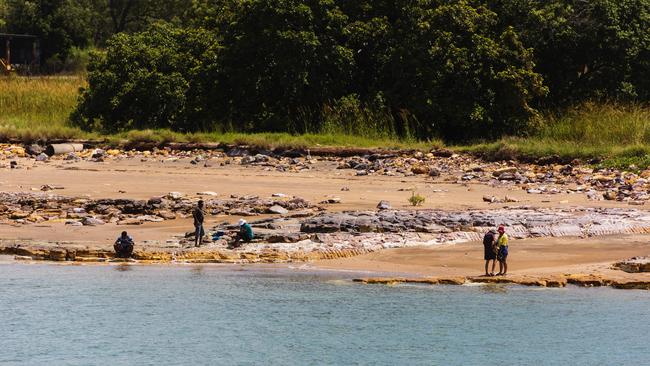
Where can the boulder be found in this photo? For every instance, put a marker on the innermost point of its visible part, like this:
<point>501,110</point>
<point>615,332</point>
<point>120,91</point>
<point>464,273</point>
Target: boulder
<point>276,209</point>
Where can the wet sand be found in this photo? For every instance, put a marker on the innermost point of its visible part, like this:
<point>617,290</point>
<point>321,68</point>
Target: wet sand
<point>534,257</point>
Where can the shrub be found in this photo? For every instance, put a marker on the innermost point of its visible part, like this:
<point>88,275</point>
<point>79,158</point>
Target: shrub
<point>416,199</point>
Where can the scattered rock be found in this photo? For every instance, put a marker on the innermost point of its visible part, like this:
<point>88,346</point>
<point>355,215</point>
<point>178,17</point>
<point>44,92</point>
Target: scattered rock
<point>331,201</point>
<point>42,157</point>
<point>433,172</point>
<point>175,196</point>
<point>490,199</point>
<point>510,199</point>
<point>383,205</point>
<point>609,195</point>
<point>48,187</point>
<point>35,149</point>
<point>420,169</point>
<point>91,221</point>
<point>509,170</point>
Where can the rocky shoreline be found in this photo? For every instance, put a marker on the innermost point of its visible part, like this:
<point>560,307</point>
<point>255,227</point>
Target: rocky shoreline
<point>25,208</point>
<point>328,235</point>
<point>290,228</point>
<point>580,280</point>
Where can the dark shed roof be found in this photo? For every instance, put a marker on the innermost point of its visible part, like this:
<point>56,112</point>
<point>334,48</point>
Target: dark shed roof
<point>10,35</point>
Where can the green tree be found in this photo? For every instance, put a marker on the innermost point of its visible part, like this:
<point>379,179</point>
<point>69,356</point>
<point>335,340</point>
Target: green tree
<point>60,24</point>
<point>3,14</point>
<point>446,64</point>
<point>161,78</point>
<point>282,60</point>
<point>585,49</point>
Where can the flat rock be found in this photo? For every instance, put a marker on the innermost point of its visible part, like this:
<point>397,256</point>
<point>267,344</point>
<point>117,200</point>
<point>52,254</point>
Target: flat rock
<point>276,209</point>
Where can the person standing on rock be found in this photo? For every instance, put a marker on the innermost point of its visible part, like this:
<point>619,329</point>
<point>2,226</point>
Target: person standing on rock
<point>123,246</point>
<point>198,216</point>
<point>490,250</point>
<point>502,253</point>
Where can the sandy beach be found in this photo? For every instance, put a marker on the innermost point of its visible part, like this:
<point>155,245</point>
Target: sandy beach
<point>139,176</point>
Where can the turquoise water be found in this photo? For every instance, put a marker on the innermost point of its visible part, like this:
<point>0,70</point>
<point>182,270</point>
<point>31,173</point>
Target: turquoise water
<point>212,315</point>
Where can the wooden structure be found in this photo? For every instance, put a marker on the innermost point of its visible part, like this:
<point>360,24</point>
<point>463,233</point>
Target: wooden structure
<point>19,52</point>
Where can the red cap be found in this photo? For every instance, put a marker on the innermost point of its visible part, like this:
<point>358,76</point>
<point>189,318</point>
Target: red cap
<point>502,228</point>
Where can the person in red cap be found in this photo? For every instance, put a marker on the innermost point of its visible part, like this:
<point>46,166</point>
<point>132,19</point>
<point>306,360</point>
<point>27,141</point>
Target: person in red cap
<point>502,251</point>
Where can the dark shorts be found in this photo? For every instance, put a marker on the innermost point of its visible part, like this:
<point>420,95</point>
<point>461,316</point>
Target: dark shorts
<point>503,253</point>
<point>489,253</point>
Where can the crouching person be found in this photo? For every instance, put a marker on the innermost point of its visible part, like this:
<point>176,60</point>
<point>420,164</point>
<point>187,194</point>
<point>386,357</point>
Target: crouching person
<point>244,234</point>
<point>123,246</point>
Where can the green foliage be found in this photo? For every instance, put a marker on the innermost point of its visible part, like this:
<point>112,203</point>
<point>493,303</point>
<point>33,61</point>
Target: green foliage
<point>155,79</point>
<point>282,60</point>
<point>61,24</point>
<point>585,49</point>
<point>416,199</point>
<point>3,14</point>
<point>409,69</point>
<point>460,70</point>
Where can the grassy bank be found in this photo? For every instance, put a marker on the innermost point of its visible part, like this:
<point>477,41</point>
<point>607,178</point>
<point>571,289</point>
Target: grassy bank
<point>620,135</point>
<point>38,108</point>
<point>273,140</point>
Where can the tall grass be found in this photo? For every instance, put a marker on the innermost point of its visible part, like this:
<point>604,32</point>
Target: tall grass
<point>603,125</point>
<point>38,108</point>
<point>587,131</point>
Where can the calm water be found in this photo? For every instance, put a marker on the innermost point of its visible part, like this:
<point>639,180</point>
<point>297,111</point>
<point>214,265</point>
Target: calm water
<point>114,315</point>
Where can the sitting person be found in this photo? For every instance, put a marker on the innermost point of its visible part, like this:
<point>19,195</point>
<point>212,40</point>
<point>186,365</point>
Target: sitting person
<point>123,246</point>
<point>245,233</point>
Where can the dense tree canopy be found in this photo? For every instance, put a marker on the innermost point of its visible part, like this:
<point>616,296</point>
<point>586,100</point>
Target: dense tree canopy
<point>161,78</point>
<point>457,69</point>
